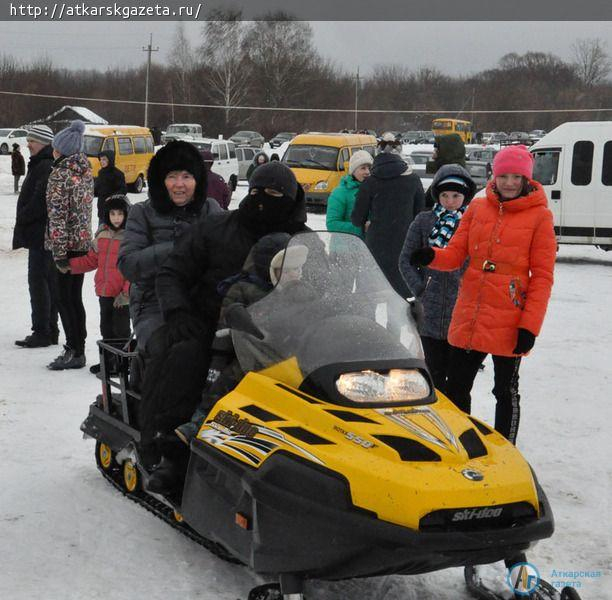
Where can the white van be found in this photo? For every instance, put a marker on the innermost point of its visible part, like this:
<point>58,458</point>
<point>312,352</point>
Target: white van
<point>574,164</point>
<point>224,152</point>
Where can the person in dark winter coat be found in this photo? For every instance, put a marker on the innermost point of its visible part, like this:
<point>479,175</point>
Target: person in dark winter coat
<point>155,225</point>
<point>448,150</point>
<point>110,181</point>
<point>17,167</point>
<point>68,235</point>
<point>452,190</point>
<point>112,288</point>
<point>248,286</point>
<point>216,186</point>
<point>29,232</point>
<point>261,158</point>
<point>387,202</point>
<point>213,250</point>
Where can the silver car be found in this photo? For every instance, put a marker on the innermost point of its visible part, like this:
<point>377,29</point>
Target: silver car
<point>245,156</point>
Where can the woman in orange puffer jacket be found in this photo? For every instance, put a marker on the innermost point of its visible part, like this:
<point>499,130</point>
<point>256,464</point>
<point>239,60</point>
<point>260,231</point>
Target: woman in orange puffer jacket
<point>509,238</point>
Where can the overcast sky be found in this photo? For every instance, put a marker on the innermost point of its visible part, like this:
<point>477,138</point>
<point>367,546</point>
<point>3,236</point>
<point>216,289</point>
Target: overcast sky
<point>453,47</point>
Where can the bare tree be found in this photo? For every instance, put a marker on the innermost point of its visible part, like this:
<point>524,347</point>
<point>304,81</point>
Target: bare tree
<point>182,62</point>
<point>226,70</point>
<point>591,61</point>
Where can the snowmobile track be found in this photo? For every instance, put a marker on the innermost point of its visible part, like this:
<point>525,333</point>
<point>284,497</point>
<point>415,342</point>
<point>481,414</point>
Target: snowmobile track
<point>165,513</point>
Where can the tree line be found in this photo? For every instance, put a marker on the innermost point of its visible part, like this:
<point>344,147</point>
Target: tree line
<point>273,63</point>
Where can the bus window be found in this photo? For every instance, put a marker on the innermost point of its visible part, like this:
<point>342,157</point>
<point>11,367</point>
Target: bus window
<point>582,163</point>
<point>546,166</point>
<point>606,167</point>
<point>125,146</point>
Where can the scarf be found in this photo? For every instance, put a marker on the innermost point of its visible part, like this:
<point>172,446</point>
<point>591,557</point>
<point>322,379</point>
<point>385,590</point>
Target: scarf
<point>446,223</point>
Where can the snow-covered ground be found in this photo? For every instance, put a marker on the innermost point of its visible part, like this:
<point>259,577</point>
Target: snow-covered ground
<point>65,534</point>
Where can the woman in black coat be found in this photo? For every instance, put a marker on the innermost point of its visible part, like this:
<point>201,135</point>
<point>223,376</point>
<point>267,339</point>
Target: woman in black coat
<point>155,225</point>
<point>110,180</point>
<point>386,204</point>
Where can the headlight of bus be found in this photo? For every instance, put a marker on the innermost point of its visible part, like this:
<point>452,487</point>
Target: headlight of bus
<point>395,386</point>
<point>320,185</point>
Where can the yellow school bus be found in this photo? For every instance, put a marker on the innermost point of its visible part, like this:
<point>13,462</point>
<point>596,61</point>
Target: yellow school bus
<point>319,161</point>
<point>445,126</point>
<point>132,145</point>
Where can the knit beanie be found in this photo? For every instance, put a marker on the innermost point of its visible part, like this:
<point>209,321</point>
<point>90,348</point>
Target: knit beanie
<point>70,140</point>
<point>359,158</point>
<point>41,134</point>
<point>277,176</point>
<point>515,160</point>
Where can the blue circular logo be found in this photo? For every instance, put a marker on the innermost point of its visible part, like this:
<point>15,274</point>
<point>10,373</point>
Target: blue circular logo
<point>523,578</point>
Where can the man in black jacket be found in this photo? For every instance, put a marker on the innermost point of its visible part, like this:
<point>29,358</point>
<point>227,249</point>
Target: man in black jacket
<point>186,286</point>
<point>110,180</point>
<point>29,232</point>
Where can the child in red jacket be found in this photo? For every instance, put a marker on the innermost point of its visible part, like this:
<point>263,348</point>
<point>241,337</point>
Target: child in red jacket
<point>111,286</point>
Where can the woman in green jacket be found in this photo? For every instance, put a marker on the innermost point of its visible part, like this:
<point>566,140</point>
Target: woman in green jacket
<point>342,200</point>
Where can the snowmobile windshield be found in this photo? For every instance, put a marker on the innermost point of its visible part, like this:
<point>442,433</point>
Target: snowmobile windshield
<point>332,307</point>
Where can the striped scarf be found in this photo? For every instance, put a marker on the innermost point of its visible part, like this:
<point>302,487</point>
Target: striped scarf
<point>446,223</point>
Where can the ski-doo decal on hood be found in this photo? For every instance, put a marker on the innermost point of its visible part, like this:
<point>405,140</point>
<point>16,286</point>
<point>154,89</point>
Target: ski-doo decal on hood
<point>404,418</point>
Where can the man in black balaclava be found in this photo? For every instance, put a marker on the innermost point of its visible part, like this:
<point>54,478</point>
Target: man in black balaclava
<point>211,251</point>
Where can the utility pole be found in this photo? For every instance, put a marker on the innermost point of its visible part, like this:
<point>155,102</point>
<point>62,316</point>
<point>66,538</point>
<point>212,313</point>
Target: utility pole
<point>148,50</point>
<point>356,96</point>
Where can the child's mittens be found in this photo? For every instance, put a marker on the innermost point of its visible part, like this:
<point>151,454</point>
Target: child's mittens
<point>421,257</point>
<point>121,300</point>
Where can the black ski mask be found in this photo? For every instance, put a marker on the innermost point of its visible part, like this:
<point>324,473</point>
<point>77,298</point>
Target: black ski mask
<point>266,212</point>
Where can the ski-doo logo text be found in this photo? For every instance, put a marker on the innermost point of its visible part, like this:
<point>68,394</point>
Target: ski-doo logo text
<point>523,578</point>
<point>233,421</point>
<point>477,513</point>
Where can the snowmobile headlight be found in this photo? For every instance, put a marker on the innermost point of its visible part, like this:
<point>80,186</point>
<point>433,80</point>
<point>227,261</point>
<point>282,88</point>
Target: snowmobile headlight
<point>320,185</point>
<point>395,386</point>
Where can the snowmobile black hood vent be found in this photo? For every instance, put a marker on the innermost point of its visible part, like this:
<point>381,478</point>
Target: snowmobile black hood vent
<point>481,427</point>
<point>260,413</point>
<point>409,449</point>
<point>305,436</point>
<point>351,417</point>
<point>473,444</point>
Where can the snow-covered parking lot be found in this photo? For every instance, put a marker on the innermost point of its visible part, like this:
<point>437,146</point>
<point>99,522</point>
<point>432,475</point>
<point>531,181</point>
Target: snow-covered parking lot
<point>65,534</point>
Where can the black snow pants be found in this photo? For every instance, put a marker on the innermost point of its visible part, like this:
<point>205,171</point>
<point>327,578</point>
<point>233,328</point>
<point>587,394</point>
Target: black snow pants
<point>174,377</point>
<point>462,371</point>
<point>71,309</point>
<point>114,322</point>
<point>42,283</point>
<point>437,355</point>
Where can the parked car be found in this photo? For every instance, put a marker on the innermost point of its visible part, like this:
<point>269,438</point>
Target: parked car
<point>280,138</point>
<point>519,136</point>
<point>494,137</point>
<point>182,131</point>
<point>224,153</point>
<point>8,137</point>
<point>248,138</point>
<point>536,135</point>
<point>245,156</point>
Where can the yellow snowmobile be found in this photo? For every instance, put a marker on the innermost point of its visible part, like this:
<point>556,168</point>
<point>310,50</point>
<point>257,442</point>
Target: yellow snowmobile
<point>334,457</point>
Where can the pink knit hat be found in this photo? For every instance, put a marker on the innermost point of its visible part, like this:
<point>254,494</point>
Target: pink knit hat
<point>516,160</point>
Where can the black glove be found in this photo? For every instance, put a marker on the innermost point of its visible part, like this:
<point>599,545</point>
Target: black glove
<point>183,326</point>
<point>524,342</point>
<point>421,257</point>
<point>62,265</point>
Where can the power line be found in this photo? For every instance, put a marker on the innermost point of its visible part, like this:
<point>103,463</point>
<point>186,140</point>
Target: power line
<point>304,109</point>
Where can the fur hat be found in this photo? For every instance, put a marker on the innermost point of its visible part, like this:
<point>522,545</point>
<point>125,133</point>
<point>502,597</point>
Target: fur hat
<point>277,176</point>
<point>265,250</point>
<point>359,158</point>
<point>515,160</point>
<point>115,202</point>
<point>15,146</point>
<point>41,134</point>
<point>292,257</point>
<point>175,156</point>
<point>69,141</point>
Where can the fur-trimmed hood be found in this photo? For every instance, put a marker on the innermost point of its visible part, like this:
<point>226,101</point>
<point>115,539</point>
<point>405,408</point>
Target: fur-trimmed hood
<point>176,156</point>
